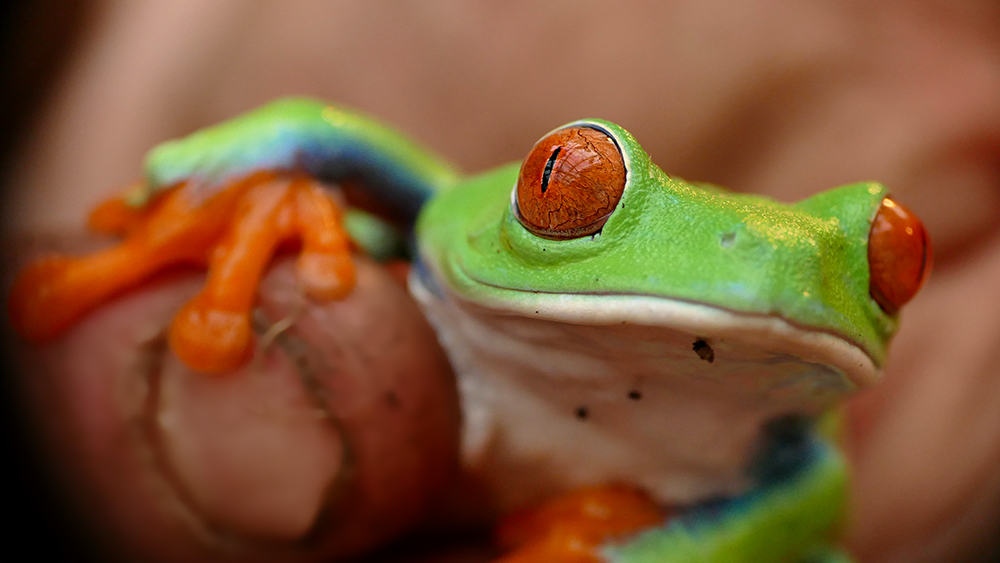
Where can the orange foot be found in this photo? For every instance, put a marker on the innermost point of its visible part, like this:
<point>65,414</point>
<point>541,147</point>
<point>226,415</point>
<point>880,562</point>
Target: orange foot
<point>571,528</point>
<point>235,232</point>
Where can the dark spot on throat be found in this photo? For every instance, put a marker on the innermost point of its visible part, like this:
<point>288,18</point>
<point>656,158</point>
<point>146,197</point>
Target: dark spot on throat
<point>635,394</point>
<point>703,350</point>
<point>548,169</point>
<point>582,413</point>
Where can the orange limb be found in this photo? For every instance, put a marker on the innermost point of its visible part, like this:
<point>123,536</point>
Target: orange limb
<point>118,217</point>
<point>212,332</point>
<point>235,232</point>
<point>324,266</point>
<point>571,528</point>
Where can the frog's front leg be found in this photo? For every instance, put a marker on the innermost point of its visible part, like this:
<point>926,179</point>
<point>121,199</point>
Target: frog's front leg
<point>571,528</point>
<point>791,515</point>
<point>235,233</point>
<point>227,197</point>
<point>212,332</point>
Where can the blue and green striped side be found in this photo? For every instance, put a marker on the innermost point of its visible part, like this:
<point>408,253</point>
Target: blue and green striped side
<point>793,520</point>
<point>328,142</point>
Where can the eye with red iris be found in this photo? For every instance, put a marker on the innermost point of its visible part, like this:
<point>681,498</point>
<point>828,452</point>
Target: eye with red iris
<point>899,256</point>
<point>570,183</point>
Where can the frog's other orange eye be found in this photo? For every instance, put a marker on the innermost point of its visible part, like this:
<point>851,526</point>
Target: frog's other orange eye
<point>899,256</point>
<point>570,183</point>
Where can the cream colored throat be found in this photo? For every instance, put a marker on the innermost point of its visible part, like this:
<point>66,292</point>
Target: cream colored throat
<point>553,404</point>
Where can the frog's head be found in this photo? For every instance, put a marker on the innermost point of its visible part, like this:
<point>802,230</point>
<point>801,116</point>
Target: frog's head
<point>593,233</point>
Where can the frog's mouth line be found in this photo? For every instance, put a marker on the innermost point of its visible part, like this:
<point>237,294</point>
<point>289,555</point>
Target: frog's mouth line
<point>707,322</point>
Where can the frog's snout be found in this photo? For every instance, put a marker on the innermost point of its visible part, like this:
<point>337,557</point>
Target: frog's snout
<point>899,256</point>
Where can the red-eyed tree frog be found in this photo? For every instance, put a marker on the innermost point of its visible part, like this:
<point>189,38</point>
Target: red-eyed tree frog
<point>650,359</point>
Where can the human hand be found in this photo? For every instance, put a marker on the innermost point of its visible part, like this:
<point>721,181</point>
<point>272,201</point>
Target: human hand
<point>337,436</point>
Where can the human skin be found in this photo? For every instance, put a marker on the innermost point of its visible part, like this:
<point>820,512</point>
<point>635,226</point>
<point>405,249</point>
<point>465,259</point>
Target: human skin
<point>772,96</point>
<point>339,434</point>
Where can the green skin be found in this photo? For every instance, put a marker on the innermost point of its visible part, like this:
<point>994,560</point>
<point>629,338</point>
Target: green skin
<point>804,264</point>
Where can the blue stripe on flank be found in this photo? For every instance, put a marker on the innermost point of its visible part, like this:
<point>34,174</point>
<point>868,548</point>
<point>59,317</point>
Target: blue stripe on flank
<point>330,157</point>
<point>788,449</point>
<point>714,510</point>
<point>782,510</point>
<point>392,185</point>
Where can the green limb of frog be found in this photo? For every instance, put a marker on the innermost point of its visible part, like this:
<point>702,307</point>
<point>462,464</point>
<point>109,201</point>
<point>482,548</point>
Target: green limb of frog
<point>303,135</point>
<point>792,516</point>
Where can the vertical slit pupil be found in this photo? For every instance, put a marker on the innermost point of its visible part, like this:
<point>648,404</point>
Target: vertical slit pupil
<point>548,169</point>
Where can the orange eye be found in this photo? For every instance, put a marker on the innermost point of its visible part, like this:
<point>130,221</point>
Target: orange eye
<point>899,256</point>
<point>570,183</point>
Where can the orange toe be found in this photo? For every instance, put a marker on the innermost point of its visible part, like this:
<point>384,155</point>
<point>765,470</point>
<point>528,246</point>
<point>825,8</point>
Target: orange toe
<point>117,216</point>
<point>235,232</point>
<point>212,333</point>
<point>325,267</point>
<point>571,528</point>
<point>37,307</point>
<point>208,339</point>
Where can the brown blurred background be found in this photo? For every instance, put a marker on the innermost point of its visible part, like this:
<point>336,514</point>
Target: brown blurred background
<point>772,96</point>
<point>36,39</point>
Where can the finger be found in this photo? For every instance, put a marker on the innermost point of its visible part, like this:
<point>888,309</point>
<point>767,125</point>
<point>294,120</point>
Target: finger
<point>333,440</point>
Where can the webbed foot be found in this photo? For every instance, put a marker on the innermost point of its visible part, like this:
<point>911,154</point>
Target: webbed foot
<point>234,233</point>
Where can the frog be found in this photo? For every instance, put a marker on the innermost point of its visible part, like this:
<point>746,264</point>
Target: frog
<point>650,369</point>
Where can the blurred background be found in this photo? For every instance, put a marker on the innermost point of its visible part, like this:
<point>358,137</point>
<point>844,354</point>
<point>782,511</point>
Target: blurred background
<point>772,96</point>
